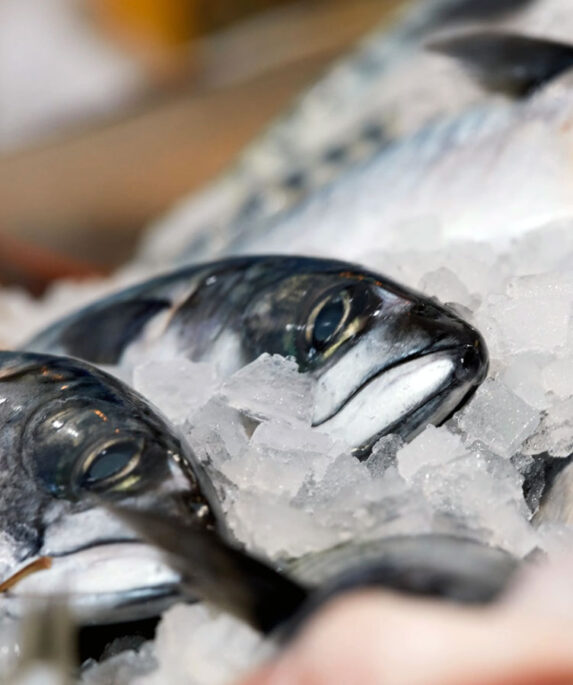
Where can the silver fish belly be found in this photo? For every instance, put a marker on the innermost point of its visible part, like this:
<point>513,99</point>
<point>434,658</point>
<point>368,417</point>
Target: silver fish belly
<point>72,437</point>
<point>384,358</point>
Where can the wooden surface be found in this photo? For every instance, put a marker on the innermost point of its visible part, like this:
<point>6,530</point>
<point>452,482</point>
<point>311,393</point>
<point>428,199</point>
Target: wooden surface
<point>89,194</point>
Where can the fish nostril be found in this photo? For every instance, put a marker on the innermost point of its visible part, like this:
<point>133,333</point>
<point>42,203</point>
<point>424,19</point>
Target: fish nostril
<point>473,359</point>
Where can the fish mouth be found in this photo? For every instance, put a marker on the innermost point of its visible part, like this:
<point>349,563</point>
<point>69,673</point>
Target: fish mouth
<point>406,395</point>
<point>106,582</point>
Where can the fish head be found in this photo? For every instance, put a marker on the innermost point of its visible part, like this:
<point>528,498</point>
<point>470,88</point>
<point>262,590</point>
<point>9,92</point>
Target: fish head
<point>385,358</point>
<point>75,437</point>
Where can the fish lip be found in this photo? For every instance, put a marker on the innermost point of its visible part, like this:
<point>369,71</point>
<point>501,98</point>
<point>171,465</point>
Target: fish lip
<point>420,354</point>
<point>362,452</point>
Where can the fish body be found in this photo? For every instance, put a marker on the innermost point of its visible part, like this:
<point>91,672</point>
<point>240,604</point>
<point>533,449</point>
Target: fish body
<point>507,168</point>
<point>505,161</point>
<point>384,359</point>
<point>72,436</point>
<point>386,89</point>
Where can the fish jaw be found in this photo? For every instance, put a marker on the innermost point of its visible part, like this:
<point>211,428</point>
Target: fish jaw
<point>404,384</point>
<point>108,582</point>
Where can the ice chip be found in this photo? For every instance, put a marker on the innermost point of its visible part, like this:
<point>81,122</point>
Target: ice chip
<point>483,492</point>
<point>177,387</point>
<point>196,645</point>
<point>281,457</point>
<point>383,454</point>
<point>555,432</point>
<point>125,667</point>
<point>498,418</point>
<point>432,447</point>
<point>558,377</point>
<point>270,525</point>
<point>523,376</point>
<point>535,313</point>
<point>446,286</point>
<point>271,388</point>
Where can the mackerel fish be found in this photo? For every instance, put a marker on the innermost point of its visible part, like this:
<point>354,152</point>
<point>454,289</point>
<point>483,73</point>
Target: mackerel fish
<point>384,359</point>
<point>385,91</point>
<point>73,436</point>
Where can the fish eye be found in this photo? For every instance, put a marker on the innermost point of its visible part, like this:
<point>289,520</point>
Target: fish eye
<point>109,467</point>
<point>327,320</point>
<point>338,316</point>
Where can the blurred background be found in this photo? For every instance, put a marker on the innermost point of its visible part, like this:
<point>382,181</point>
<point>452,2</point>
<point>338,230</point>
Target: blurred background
<point>112,109</point>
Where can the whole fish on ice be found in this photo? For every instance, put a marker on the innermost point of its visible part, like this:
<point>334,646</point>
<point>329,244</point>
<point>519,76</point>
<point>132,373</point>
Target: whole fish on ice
<point>385,359</point>
<point>70,436</point>
<point>491,174</point>
<point>384,90</point>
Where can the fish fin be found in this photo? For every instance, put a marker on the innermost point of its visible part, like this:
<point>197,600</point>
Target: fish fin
<point>466,10</point>
<point>507,62</point>
<point>100,334</point>
<point>211,568</point>
<point>556,504</point>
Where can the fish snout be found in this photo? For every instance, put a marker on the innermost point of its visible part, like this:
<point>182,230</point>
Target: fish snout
<point>447,331</point>
<point>474,361</point>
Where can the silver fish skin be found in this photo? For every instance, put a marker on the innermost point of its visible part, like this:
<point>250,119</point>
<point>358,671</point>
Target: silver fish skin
<point>384,358</point>
<point>72,436</point>
<point>387,88</point>
<point>452,568</point>
<point>506,167</point>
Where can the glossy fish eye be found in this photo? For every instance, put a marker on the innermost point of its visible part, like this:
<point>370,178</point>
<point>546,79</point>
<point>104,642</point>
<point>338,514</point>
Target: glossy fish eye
<point>327,320</point>
<point>109,467</point>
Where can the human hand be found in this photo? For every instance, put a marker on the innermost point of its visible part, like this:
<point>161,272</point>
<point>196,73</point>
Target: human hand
<point>380,638</point>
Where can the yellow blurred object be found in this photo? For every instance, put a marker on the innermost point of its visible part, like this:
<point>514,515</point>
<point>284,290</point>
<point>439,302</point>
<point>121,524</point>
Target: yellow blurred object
<point>155,31</point>
<point>87,193</point>
<point>216,14</point>
<point>160,33</point>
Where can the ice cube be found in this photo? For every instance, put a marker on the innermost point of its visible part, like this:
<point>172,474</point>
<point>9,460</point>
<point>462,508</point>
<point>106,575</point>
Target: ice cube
<point>433,446</point>
<point>535,313</point>
<point>126,667</point>
<point>558,377</point>
<point>547,248</point>
<point>280,457</point>
<point>498,418</point>
<point>523,376</point>
<point>178,387</point>
<point>270,525</point>
<point>217,433</point>
<point>446,286</point>
<point>271,388</point>
<point>196,645</point>
<point>383,454</point>
<point>555,432</point>
<point>484,492</point>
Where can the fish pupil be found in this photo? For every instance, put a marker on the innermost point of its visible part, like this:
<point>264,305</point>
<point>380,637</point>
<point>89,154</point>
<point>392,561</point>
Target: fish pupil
<point>110,461</point>
<point>327,322</point>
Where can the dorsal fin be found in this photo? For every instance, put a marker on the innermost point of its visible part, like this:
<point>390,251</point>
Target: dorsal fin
<point>508,62</point>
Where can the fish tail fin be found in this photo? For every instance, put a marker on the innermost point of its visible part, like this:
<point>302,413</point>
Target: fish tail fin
<point>219,573</point>
<point>506,62</point>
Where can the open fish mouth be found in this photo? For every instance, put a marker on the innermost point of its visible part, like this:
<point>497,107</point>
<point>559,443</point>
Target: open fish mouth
<point>405,396</point>
<point>104,582</point>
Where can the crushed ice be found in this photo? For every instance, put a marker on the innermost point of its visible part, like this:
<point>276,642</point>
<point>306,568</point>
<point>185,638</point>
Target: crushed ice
<point>290,490</point>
